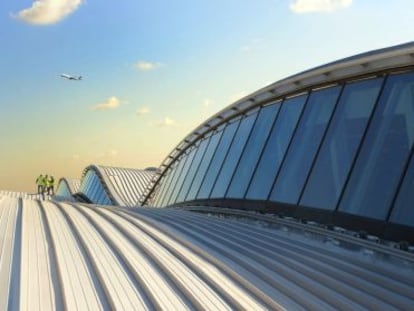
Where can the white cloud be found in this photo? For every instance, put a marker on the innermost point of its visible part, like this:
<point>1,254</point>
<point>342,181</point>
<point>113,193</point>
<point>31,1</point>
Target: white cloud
<point>143,111</point>
<point>313,6</point>
<point>146,66</point>
<point>166,122</point>
<point>110,103</point>
<point>45,12</point>
<point>76,157</point>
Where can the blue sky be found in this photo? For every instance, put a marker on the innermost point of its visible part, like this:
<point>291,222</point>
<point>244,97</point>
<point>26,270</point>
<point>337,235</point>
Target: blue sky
<point>154,70</point>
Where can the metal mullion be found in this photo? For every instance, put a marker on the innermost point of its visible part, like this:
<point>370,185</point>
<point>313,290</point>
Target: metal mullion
<point>162,187</point>
<point>243,150</point>
<point>321,144</point>
<point>198,167</point>
<point>264,147</point>
<point>225,157</point>
<point>361,143</point>
<point>289,145</point>
<point>168,180</point>
<point>212,157</point>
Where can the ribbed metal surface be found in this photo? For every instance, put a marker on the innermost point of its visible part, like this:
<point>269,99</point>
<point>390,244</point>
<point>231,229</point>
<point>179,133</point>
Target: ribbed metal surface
<point>78,257</point>
<point>129,184</point>
<point>125,186</point>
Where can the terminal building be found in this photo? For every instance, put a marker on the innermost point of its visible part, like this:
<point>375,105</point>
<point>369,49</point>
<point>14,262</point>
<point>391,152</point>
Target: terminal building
<point>332,144</point>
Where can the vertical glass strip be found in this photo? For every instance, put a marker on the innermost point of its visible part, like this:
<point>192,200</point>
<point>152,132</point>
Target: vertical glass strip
<point>252,151</point>
<point>341,143</point>
<point>233,156</point>
<point>304,146</point>
<point>275,148</point>
<point>384,153</point>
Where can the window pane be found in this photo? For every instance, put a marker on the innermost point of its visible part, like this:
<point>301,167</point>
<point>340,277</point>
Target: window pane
<point>252,152</point>
<point>340,145</point>
<point>182,176</point>
<point>173,182</point>
<point>204,165</point>
<point>194,166</point>
<point>403,212</point>
<point>218,158</point>
<point>384,153</point>
<point>275,148</point>
<point>233,156</point>
<point>306,141</point>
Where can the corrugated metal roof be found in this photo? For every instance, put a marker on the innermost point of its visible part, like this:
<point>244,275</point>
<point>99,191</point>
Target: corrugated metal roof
<point>125,185</point>
<point>78,257</point>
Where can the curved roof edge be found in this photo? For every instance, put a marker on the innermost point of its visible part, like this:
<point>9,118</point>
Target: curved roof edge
<point>106,184</point>
<point>357,66</point>
<point>72,184</point>
<point>126,186</point>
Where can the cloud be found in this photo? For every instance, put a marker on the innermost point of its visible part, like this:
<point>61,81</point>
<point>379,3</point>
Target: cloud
<point>45,12</point>
<point>110,103</point>
<point>146,66</point>
<point>76,157</point>
<point>143,111</point>
<point>166,122</point>
<point>314,6</point>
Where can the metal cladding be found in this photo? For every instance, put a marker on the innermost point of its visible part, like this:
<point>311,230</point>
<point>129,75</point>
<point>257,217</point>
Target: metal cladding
<point>333,144</point>
<point>118,186</point>
<point>69,256</point>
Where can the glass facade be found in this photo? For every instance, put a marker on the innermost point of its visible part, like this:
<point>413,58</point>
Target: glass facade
<point>91,187</point>
<point>346,147</point>
<point>63,190</point>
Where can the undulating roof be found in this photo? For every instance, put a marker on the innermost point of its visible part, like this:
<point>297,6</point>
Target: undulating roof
<point>124,186</point>
<point>74,256</point>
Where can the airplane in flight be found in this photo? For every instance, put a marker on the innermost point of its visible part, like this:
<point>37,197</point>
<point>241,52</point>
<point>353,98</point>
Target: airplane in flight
<point>70,77</point>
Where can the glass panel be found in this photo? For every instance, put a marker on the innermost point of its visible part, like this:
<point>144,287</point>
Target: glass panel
<point>340,145</point>
<point>166,184</point>
<point>251,154</point>
<point>162,185</point>
<point>385,151</point>
<point>217,160</point>
<point>403,212</point>
<point>204,165</point>
<point>233,156</point>
<point>305,143</point>
<point>172,184</point>
<point>194,166</point>
<point>182,176</point>
<point>275,148</point>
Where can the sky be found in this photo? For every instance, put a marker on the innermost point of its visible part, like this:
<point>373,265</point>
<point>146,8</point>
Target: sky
<point>152,71</point>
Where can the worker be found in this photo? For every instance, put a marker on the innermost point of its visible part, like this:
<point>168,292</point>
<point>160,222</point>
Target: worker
<point>43,184</point>
<point>50,182</point>
<point>39,183</point>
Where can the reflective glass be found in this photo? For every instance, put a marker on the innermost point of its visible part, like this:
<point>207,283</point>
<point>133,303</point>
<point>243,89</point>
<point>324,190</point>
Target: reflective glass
<point>275,148</point>
<point>233,156</point>
<point>217,160</point>
<point>340,145</point>
<point>403,212</point>
<point>63,190</point>
<point>166,184</point>
<point>182,176</point>
<point>204,165</point>
<point>251,154</point>
<point>384,153</point>
<point>191,171</point>
<point>173,182</point>
<point>305,143</point>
